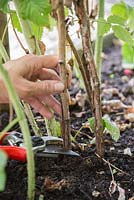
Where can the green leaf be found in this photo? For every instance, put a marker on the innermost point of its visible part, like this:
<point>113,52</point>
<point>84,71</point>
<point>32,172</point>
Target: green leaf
<point>66,11</point>
<point>120,9</point>
<point>122,34</point>
<point>104,26</point>
<point>130,21</point>
<point>128,54</point>
<point>38,31</point>
<point>115,19</point>
<point>108,125</point>
<point>36,11</point>
<point>16,22</point>
<point>112,129</point>
<point>3,162</point>
<point>4,5</point>
<point>52,22</point>
<point>91,122</point>
<point>57,128</point>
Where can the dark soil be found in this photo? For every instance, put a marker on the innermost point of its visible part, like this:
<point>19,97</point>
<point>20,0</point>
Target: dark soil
<point>85,177</point>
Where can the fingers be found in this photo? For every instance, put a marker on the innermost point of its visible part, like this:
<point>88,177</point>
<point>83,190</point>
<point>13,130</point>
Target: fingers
<point>45,109</point>
<point>52,103</point>
<point>43,61</point>
<point>46,87</point>
<point>48,74</point>
<point>40,107</point>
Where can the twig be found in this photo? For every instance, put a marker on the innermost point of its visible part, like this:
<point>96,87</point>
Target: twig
<point>111,171</point>
<point>112,165</point>
<point>79,61</point>
<point>26,50</point>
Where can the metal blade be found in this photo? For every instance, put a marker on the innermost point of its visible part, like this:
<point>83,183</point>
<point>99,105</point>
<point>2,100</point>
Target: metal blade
<point>55,151</point>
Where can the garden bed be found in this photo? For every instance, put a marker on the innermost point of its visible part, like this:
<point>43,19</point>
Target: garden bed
<point>86,177</point>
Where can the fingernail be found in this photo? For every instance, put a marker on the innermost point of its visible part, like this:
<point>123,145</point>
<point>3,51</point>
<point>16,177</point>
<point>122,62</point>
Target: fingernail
<point>59,87</point>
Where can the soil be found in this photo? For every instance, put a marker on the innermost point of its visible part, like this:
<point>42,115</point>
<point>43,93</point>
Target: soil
<point>86,177</point>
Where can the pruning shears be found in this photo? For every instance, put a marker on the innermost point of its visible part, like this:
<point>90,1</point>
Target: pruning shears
<point>46,146</point>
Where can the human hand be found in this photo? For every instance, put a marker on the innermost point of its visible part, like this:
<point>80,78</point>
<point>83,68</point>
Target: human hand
<point>35,82</point>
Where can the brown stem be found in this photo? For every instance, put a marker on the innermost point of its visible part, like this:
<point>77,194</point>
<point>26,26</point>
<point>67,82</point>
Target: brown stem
<point>90,70</point>
<point>80,63</point>
<point>58,7</point>
<point>26,50</point>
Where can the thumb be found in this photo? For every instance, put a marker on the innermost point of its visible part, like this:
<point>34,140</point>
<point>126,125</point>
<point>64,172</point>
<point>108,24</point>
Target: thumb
<point>47,87</point>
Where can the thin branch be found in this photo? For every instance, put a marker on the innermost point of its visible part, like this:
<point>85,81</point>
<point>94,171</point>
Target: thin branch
<point>79,61</point>
<point>26,50</point>
<point>112,165</point>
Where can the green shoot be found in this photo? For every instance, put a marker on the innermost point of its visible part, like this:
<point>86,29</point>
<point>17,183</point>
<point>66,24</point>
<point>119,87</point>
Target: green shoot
<point>25,130</point>
<point>9,126</point>
<point>3,162</point>
<point>108,127</point>
<point>99,38</point>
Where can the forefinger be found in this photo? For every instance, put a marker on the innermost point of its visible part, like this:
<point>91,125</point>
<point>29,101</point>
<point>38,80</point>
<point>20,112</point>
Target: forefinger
<point>43,61</point>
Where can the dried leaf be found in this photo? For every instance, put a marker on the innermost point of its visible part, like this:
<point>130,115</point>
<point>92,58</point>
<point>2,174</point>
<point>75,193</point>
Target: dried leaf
<point>93,8</point>
<point>80,114</point>
<point>114,104</point>
<point>123,126</point>
<point>129,116</point>
<point>81,99</point>
<point>42,47</point>
<point>111,92</point>
<point>121,193</point>
<point>51,185</point>
<point>130,109</point>
<point>72,101</point>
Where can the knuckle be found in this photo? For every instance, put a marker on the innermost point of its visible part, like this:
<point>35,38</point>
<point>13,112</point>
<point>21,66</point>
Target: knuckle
<point>48,87</point>
<point>26,91</point>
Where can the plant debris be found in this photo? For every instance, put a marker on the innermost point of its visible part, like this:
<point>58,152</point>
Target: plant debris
<point>51,185</point>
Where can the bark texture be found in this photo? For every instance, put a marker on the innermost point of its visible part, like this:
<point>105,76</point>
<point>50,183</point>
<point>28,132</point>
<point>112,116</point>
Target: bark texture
<point>90,74</point>
<point>58,13</point>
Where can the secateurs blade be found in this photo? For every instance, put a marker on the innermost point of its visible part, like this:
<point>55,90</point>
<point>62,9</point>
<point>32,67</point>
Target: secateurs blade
<point>46,146</point>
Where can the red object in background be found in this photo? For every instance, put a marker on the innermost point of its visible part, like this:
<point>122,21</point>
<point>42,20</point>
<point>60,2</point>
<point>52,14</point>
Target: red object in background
<point>127,72</point>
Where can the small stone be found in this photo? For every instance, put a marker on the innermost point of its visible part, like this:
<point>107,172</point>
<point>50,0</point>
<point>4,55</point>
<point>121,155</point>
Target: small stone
<point>127,151</point>
<point>95,193</point>
<point>112,148</point>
